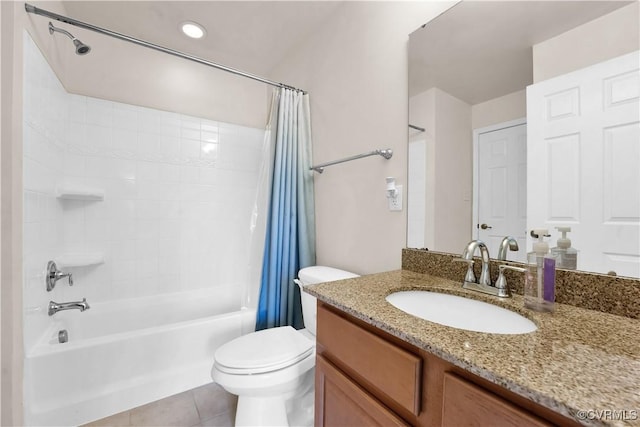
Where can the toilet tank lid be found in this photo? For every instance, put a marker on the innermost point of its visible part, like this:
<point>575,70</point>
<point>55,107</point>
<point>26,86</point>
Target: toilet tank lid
<point>320,274</point>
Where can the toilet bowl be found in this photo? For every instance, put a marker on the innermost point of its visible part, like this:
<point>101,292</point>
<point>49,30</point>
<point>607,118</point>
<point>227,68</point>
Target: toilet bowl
<point>272,371</point>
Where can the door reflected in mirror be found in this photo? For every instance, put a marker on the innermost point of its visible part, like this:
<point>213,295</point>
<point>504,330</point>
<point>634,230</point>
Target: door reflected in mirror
<point>484,77</point>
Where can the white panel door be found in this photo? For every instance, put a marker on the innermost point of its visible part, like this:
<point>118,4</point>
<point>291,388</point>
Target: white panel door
<point>584,162</point>
<point>502,187</point>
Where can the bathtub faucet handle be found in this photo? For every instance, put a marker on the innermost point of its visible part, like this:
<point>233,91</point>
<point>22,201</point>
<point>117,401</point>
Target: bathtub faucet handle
<point>53,275</point>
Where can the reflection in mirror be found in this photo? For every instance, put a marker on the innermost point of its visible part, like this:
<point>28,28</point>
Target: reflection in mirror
<point>509,143</point>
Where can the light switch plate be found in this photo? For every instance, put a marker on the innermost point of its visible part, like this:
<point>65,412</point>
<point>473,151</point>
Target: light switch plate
<point>395,203</point>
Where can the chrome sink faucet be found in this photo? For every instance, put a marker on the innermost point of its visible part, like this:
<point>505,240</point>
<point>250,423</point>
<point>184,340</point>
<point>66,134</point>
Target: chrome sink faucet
<point>469,251</point>
<point>500,289</point>
<point>55,307</point>
<point>508,243</point>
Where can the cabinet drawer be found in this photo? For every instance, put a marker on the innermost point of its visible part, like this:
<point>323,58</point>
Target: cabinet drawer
<point>381,367</point>
<point>466,404</point>
<point>344,403</point>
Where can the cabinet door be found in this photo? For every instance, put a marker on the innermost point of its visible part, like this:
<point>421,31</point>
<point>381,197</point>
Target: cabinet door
<point>341,402</point>
<point>466,404</point>
<point>387,371</point>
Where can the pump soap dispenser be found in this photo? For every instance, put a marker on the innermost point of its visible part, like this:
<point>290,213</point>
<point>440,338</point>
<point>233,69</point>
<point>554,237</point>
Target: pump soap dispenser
<point>540,280</point>
<point>566,256</point>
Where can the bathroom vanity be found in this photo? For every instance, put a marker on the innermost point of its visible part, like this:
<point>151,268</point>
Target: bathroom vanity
<point>378,365</point>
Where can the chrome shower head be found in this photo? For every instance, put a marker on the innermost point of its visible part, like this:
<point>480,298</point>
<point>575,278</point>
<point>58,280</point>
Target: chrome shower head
<point>81,48</point>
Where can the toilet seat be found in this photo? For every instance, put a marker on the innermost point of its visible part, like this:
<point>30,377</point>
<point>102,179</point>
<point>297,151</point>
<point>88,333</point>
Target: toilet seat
<point>263,351</point>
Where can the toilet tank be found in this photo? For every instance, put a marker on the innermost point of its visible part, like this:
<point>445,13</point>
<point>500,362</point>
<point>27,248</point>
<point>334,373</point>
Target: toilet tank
<point>310,276</point>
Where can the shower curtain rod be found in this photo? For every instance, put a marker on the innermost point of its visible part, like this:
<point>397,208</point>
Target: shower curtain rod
<point>387,153</point>
<point>37,11</point>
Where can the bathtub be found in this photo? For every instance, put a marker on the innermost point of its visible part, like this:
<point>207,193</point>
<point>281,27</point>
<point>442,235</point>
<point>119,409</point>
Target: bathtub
<point>124,354</point>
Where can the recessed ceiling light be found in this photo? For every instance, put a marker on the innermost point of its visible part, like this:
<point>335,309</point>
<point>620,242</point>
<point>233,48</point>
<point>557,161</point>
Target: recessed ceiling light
<point>192,29</point>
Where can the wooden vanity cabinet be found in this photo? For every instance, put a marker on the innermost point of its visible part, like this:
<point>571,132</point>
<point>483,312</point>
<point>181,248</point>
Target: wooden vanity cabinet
<point>367,377</point>
<point>345,403</point>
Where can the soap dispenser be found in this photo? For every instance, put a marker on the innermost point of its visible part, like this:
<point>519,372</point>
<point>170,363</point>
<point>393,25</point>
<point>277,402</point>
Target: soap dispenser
<point>540,280</point>
<point>566,256</point>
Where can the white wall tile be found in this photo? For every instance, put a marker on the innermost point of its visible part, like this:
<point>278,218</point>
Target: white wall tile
<point>148,171</point>
<point>210,136</point>
<point>209,176</point>
<point>169,173</point>
<point>125,141</point>
<point>162,224</point>
<point>146,228</point>
<point>74,164</point>
<point>122,250</point>
<point>121,188</point>
<point>31,207</point>
<point>169,148</point>
<point>148,145</point>
<point>171,229</point>
<point>97,232</point>
<point>99,112</point>
<point>189,175</point>
<point>190,122</point>
<point>188,133</point>
<point>125,117</point>
<point>189,149</point>
<point>209,150</point>
<point>122,228</point>
<point>149,120</point>
<point>123,270</point>
<point>150,190</point>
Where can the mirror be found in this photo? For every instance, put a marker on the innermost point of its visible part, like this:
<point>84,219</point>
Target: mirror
<point>469,70</point>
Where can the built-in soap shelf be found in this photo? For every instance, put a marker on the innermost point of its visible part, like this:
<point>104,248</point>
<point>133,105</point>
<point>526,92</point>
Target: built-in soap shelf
<point>79,192</point>
<point>83,259</point>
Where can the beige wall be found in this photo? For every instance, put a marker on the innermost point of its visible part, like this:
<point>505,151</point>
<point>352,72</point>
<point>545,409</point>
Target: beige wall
<point>499,110</point>
<point>355,69</point>
<point>453,182</point>
<point>422,113</point>
<point>124,72</point>
<point>604,38</point>
<point>447,121</point>
<point>11,345</point>
<point>1,216</point>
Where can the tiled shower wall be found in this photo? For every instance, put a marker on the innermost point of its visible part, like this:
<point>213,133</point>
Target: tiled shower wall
<point>178,197</point>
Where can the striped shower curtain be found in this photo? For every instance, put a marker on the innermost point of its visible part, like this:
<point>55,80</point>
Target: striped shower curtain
<point>290,239</point>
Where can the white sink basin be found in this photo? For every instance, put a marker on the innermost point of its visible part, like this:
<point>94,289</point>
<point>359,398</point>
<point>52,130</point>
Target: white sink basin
<point>461,313</point>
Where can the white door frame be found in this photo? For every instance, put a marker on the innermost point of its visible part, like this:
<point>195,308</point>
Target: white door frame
<point>476,139</point>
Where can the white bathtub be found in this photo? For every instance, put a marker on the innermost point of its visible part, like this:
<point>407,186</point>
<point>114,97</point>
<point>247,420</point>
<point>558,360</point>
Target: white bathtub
<point>124,354</point>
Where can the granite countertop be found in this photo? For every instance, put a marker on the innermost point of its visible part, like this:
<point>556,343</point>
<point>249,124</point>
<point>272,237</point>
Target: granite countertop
<point>577,360</point>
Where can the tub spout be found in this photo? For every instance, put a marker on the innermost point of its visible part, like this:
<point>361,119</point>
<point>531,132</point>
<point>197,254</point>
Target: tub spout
<point>55,307</point>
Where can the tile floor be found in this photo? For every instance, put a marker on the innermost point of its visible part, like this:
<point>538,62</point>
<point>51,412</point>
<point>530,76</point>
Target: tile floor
<point>205,406</point>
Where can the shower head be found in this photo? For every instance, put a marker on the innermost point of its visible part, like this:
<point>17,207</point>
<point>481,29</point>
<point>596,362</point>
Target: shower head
<point>81,48</point>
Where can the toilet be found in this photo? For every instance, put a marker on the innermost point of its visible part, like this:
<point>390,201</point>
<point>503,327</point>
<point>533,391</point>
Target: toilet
<point>272,371</point>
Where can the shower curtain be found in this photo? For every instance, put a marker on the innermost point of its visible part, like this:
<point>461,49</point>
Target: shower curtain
<point>290,239</point>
